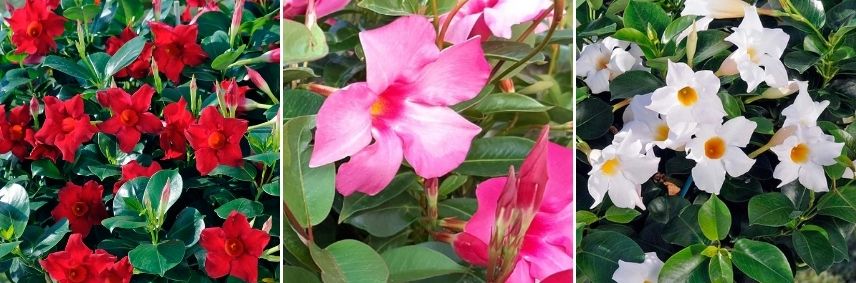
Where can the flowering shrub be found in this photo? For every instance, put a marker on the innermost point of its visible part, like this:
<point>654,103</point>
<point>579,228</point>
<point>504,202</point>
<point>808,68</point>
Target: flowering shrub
<point>427,140</point>
<point>718,137</point>
<point>139,141</point>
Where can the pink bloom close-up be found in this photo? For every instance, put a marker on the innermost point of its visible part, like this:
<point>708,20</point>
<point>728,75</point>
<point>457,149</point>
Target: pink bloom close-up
<point>293,8</point>
<point>492,17</point>
<point>402,106</point>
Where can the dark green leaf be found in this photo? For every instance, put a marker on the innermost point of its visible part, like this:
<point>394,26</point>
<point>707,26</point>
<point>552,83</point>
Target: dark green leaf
<point>124,56</point>
<point>621,215</point>
<point>633,83</point>
<point>410,263</point>
<point>761,261</point>
<point>246,207</point>
<point>489,157</point>
<point>680,266</point>
<point>813,247</point>
<point>770,209</point>
<point>594,117</point>
<point>157,259</point>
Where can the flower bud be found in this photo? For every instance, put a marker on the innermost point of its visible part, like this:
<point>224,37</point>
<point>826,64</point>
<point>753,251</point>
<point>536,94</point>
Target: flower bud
<point>323,90</point>
<point>235,27</point>
<point>259,81</point>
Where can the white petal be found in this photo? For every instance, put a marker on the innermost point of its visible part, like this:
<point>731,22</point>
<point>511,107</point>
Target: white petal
<point>621,61</point>
<point>786,172</point>
<point>709,175</point>
<point>813,177</point>
<point>824,152</point>
<point>639,170</point>
<point>663,99</point>
<point>737,162</point>
<point>738,131</point>
<point>622,192</point>
<point>598,185</point>
<point>598,81</point>
<point>750,18</point>
<point>776,76</point>
<point>678,74</point>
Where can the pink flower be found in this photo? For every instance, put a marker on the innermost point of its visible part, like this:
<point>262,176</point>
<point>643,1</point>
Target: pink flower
<point>403,106</point>
<point>547,246</point>
<point>492,17</point>
<point>293,8</point>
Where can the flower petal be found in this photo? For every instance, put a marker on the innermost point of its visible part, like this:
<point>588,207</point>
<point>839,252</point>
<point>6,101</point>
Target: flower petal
<point>436,139</point>
<point>343,124</point>
<point>709,175</point>
<point>458,75</point>
<point>398,50</point>
<point>813,178</point>
<point>371,169</point>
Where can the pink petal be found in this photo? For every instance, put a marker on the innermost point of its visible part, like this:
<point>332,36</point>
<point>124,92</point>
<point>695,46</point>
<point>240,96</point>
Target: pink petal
<point>559,183</point>
<point>458,75</point>
<point>507,13</point>
<point>398,51</point>
<point>487,194</point>
<point>460,28</point>
<point>436,139</point>
<point>326,7</point>
<point>371,169</point>
<point>344,124</point>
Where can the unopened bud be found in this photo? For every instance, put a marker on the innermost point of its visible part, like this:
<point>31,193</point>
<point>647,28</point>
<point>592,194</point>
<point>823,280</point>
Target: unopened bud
<point>323,90</point>
<point>506,85</point>
<point>259,81</point>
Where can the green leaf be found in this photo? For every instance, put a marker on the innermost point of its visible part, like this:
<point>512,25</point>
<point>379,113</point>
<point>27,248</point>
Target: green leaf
<point>247,207</point>
<point>600,251</point>
<point>490,157</point>
<point>164,183</point>
<point>187,226</point>
<point>157,259</point>
<point>800,60</point>
<point>268,158</point>
<point>733,106</point>
<point>83,13</point>
<point>509,102</point>
<point>586,217</point>
<point>124,56</point>
<point>246,172</point>
<point>302,44</point>
<point>770,209</point>
<point>298,274</point>
<point>710,43</point>
<point>390,218</point>
<point>812,10</point>
<point>684,230</point>
<point>460,208</point>
<point>681,265</point>
<point>49,238</point>
<point>300,102</point>
<point>105,171</point>
<point>840,203</point>
<point>45,168</point>
<point>359,202</point>
<point>222,61</point>
<point>350,261</point>
<point>633,83</point>
<point>6,248</point>
<point>634,36</point>
<point>764,125</point>
<point>123,222</point>
<point>594,117</point>
<point>309,192</point>
<point>14,209</point>
<point>677,26</point>
<point>410,263</point>
<point>509,50</point>
<point>403,7</point>
<point>127,200</point>
<point>720,269</point>
<point>68,67</point>
<point>714,219</point>
<point>452,183</point>
<point>813,247</point>
<point>621,215</point>
<point>639,15</point>
<point>761,261</point>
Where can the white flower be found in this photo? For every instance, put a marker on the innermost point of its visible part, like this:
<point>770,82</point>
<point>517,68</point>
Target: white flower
<point>758,52</point>
<point>699,25</point>
<point>803,155</point>
<point>646,126</point>
<point>619,170</point>
<point>777,92</point>
<point>688,97</point>
<point>716,151</point>
<point>720,9</point>
<point>804,111</point>
<point>601,62</point>
<point>647,271</point>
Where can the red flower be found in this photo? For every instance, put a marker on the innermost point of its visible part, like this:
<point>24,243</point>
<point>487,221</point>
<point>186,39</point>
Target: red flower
<point>119,272</point>
<point>216,140</point>
<point>234,249</point>
<point>172,139</point>
<point>82,206</point>
<point>42,150</point>
<point>130,115</point>
<point>206,5</point>
<point>15,132</point>
<point>77,263</point>
<point>235,94</point>
<point>34,27</point>
<point>175,48</point>
<point>140,67</point>
<point>133,170</point>
<point>66,125</point>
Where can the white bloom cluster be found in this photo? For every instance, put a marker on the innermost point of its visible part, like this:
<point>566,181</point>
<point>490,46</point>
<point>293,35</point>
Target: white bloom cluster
<point>601,62</point>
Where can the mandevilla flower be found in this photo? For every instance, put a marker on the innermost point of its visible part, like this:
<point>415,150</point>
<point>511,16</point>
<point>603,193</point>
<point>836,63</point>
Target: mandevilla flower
<point>196,8</point>
<point>66,125</point>
<point>619,170</point>
<point>77,263</point>
<point>34,27</point>
<point>42,150</point>
<point>647,271</point>
<point>133,170</point>
<point>16,134</point>
<point>601,62</point>
<point>804,111</point>
<point>403,106</point>
<point>758,52</point>
<point>216,140</point>
<point>492,17</point>
<point>140,67</point>
<point>688,97</point>
<point>81,205</point>
<point>235,95</point>
<point>172,139</point>
<point>719,9</point>
<point>716,151</point>
<point>175,48</point>
<point>803,155</point>
<point>130,115</point>
<point>233,249</point>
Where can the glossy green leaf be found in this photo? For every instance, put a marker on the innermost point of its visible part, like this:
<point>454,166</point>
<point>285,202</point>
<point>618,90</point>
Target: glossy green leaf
<point>813,247</point>
<point>157,259</point>
<point>600,251</point>
<point>410,263</point>
<point>489,157</point>
<point>621,215</point>
<point>714,219</point>
<point>770,209</point>
<point>633,83</point>
<point>124,56</point>
<point>761,261</point>
<point>350,261</point>
<point>680,266</point>
<point>309,192</point>
<point>509,102</point>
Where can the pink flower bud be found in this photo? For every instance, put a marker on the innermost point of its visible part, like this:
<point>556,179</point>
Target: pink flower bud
<point>259,81</point>
<point>268,224</point>
<point>533,174</point>
<point>271,56</point>
<point>322,89</point>
<point>235,27</point>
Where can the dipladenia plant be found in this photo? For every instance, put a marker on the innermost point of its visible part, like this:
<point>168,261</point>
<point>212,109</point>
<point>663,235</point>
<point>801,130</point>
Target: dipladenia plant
<point>139,142</point>
<point>714,139</point>
<point>427,140</point>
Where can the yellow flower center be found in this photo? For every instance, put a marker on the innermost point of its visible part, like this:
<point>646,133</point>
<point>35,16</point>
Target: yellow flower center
<point>662,132</point>
<point>602,62</point>
<point>610,167</point>
<point>714,148</point>
<point>753,55</point>
<point>799,154</point>
<point>687,96</point>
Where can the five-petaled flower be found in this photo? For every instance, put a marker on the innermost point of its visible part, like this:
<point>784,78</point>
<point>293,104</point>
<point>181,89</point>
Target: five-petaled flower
<point>175,48</point>
<point>77,263</point>
<point>16,135</point>
<point>403,106</point>
<point>140,67</point>
<point>81,205</point>
<point>172,139</point>
<point>66,126</point>
<point>216,140</point>
<point>130,115</point>
<point>233,249</point>
<point>716,150</point>
<point>34,27</point>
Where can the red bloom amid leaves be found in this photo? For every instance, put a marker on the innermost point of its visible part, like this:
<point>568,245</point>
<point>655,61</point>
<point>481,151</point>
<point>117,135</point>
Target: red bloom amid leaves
<point>77,263</point>
<point>42,150</point>
<point>172,139</point>
<point>34,27</point>
<point>133,170</point>
<point>82,206</point>
<point>176,47</point>
<point>206,5</point>
<point>15,132</point>
<point>235,94</point>
<point>216,140</point>
<point>130,115</point>
<point>66,126</point>
<point>234,249</point>
<point>140,67</point>
<point>119,272</point>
